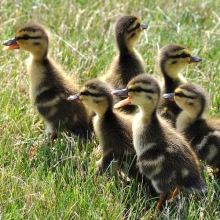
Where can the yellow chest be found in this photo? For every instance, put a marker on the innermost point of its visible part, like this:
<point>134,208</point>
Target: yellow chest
<point>97,129</point>
<point>137,129</point>
<point>36,72</point>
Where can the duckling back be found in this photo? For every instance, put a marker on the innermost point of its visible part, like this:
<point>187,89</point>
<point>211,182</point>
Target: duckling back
<point>50,99</point>
<point>167,159</point>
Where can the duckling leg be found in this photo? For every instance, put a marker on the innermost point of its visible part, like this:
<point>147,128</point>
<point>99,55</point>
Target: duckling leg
<point>53,136</point>
<point>162,199</point>
<point>175,192</point>
<point>217,172</point>
<point>107,161</point>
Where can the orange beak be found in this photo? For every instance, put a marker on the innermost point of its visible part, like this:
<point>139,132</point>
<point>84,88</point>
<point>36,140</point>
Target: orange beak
<point>10,44</point>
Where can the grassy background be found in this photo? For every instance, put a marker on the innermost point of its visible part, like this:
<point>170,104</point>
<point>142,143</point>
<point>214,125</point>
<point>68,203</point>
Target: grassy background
<point>40,181</point>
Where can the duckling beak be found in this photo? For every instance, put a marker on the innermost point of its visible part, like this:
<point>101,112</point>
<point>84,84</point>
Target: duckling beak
<point>169,96</point>
<point>144,26</point>
<point>75,97</point>
<point>10,44</point>
<point>195,59</point>
<point>121,92</point>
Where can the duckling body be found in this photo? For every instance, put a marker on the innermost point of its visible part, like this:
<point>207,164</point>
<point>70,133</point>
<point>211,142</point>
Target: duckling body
<point>202,133</point>
<point>172,59</point>
<point>113,128</point>
<point>163,155</point>
<point>49,85</point>
<point>128,63</point>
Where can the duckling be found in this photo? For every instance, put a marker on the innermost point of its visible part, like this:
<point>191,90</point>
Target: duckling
<point>49,85</point>
<point>128,63</point>
<point>202,133</point>
<point>172,59</point>
<point>163,155</point>
<point>113,128</point>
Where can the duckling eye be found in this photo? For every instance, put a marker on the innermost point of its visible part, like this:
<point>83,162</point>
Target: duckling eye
<point>25,37</point>
<point>184,55</point>
<point>180,94</point>
<point>36,43</point>
<point>85,93</point>
<point>138,89</point>
<point>137,26</point>
<point>132,35</point>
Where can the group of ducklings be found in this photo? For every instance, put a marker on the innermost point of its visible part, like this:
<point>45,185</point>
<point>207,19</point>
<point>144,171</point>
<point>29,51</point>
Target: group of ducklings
<point>163,139</point>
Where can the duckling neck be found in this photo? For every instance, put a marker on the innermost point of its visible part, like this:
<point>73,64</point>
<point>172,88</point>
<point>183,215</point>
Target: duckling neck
<point>172,79</point>
<point>37,70</point>
<point>146,113</point>
<point>125,49</point>
<point>172,83</point>
<point>40,56</point>
<point>184,120</point>
<point>102,112</point>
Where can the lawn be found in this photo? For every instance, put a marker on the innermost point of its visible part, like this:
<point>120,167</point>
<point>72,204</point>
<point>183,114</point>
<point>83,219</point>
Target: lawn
<point>43,181</point>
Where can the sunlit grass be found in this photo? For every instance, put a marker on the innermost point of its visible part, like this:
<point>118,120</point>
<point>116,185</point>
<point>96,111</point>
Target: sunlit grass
<point>41,181</point>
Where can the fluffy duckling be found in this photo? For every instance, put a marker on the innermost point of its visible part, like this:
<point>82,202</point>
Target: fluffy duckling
<point>111,127</point>
<point>202,133</point>
<point>172,59</point>
<point>163,154</point>
<point>49,85</point>
<point>128,63</point>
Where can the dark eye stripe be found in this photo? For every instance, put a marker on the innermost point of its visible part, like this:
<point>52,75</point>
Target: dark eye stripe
<point>139,89</point>
<point>87,93</point>
<point>182,55</point>
<point>27,37</point>
<point>180,94</point>
<point>133,29</point>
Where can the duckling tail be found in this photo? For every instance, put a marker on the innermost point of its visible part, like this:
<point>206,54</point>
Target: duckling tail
<point>197,186</point>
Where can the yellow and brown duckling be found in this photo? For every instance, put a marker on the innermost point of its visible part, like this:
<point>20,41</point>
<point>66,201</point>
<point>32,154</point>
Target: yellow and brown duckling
<point>113,128</point>
<point>49,85</point>
<point>172,59</point>
<point>163,155</point>
<point>128,63</point>
<point>202,133</point>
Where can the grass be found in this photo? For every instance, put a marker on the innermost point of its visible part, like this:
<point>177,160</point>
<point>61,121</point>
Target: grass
<point>40,181</point>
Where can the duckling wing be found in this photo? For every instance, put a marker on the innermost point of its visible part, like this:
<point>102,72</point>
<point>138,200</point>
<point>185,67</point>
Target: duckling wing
<point>54,107</point>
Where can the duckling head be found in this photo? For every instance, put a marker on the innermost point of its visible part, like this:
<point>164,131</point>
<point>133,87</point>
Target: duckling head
<point>96,95</point>
<point>31,37</point>
<point>173,58</point>
<point>127,32</point>
<point>142,90</point>
<point>191,98</point>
